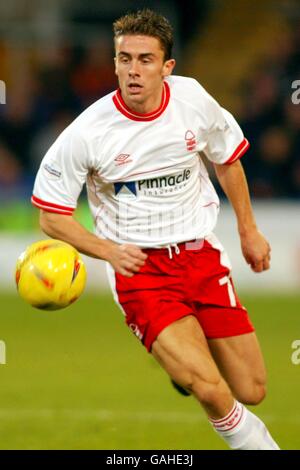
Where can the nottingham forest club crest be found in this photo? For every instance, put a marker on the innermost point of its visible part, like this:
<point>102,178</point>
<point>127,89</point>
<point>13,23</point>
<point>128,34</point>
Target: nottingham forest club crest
<point>153,186</point>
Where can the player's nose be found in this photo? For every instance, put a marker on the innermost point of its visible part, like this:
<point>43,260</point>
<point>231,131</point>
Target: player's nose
<point>134,69</point>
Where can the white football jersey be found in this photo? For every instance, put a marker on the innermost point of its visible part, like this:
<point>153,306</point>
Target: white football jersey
<point>146,183</point>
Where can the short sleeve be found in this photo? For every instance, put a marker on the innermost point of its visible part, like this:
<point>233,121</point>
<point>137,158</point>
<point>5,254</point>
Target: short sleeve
<point>225,142</point>
<point>62,174</point>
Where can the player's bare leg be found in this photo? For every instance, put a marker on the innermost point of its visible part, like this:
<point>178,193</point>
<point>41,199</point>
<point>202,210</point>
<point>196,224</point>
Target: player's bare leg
<point>241,363</point>
<point>182,350</point>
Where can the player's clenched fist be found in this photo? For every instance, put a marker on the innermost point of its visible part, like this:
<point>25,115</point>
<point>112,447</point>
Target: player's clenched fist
<point>126,259</point>
<point>256,251</point>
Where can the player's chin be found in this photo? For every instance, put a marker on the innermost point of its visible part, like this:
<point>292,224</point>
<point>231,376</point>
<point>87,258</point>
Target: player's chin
<point>136,98</point>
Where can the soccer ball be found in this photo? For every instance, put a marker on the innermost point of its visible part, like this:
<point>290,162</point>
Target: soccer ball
<point>50,274</point>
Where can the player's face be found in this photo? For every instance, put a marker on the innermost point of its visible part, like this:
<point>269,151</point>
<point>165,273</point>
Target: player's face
<point>141,69</point>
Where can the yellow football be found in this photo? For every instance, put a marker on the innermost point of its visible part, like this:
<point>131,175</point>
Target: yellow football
<point>50,274</point>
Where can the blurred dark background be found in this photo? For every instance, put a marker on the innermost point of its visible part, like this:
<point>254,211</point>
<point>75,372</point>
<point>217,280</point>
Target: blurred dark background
<point>56,58</point>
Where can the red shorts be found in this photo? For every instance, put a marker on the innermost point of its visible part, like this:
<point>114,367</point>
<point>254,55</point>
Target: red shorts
<point>195,281</point>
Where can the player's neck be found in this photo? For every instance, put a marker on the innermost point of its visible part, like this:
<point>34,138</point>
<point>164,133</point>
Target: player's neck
<point>150,105</point>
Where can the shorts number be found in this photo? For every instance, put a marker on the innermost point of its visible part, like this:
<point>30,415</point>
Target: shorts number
<point>227,280</point>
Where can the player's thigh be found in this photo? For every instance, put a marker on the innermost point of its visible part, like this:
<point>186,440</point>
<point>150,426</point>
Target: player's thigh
<point>182,350</point>
<point>240,360</point>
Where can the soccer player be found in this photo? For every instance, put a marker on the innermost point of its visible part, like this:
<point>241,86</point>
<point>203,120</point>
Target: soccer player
<point>155,209</point>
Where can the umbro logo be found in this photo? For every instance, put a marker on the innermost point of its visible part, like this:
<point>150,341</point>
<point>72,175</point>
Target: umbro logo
<point>122,159</point>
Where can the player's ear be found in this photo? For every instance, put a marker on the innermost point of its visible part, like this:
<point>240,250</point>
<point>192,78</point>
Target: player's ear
<point>168,67</point>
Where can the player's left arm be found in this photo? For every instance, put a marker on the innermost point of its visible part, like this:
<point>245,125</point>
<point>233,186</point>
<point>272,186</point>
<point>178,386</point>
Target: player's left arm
<point>255,247</point>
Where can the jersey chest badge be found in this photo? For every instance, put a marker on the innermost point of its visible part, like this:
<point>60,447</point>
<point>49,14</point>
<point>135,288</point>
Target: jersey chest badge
<point>190,140</point>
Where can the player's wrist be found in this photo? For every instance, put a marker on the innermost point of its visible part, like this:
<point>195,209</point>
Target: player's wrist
<point>105,248</point>
<point>245,229</point>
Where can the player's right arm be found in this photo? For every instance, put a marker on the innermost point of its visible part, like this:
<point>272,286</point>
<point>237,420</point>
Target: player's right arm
<point>125,259</point>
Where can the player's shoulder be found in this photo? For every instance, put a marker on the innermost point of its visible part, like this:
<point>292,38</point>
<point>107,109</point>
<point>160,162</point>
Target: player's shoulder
<point>181,85</point>
<point>189,90</point>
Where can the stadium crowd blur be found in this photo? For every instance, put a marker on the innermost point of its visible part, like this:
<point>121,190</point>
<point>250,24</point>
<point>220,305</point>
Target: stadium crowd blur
<point>270,119</point>
<point>50,85</point>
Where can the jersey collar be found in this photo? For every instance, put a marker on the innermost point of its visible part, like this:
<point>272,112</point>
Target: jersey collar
<point>133,115</point>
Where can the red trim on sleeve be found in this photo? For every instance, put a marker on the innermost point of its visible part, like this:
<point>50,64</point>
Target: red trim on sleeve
<point>135,116</point>
<point>51,207</point>
<point>239,152</point>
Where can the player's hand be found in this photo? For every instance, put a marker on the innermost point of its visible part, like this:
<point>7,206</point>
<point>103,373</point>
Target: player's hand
<point>126,259</point>
<point>256,250</point>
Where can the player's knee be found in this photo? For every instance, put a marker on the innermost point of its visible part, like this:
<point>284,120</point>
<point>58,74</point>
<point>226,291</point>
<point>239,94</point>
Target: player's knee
<point>259,393</point>
<point>207,392</point>
<point>210,393</point>
<point>252,395</point>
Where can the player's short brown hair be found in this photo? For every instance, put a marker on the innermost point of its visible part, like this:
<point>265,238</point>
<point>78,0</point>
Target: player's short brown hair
<point>147,23</point>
